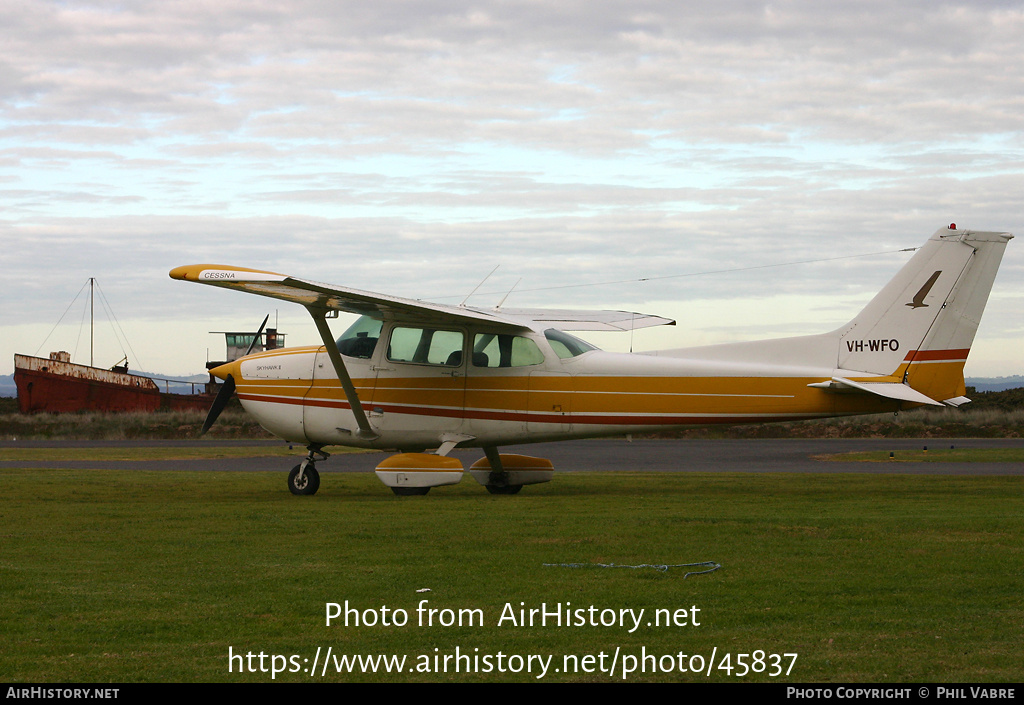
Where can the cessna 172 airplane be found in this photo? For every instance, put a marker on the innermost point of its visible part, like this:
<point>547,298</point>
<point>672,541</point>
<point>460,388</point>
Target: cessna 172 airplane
<point>413,376</point>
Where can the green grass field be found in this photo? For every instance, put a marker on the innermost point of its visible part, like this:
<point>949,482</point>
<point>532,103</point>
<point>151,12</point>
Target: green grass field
<point>145,576</point>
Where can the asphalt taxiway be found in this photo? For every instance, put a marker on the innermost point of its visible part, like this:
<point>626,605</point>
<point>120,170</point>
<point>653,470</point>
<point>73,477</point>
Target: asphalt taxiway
<point>601,455</point>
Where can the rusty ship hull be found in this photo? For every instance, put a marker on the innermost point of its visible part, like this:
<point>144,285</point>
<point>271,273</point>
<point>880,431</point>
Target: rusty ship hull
<point>58,386</point>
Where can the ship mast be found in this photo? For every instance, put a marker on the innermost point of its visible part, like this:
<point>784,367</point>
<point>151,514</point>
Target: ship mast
<point>92,315</point>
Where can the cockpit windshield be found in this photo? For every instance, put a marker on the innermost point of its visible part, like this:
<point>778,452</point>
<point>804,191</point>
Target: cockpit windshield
<point>361,338</point>
<point>565,345</point>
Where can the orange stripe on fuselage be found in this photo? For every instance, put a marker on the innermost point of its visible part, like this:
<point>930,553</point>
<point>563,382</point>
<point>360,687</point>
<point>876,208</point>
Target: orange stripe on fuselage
<point>937,355</point>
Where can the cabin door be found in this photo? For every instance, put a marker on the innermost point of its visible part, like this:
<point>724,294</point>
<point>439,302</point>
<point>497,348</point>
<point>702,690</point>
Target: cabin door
<point>420,389</point>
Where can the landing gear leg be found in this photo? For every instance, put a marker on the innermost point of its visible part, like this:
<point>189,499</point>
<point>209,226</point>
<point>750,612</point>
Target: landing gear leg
<point>507,473</point>
<point>304,479</point>
<point>497,481</point>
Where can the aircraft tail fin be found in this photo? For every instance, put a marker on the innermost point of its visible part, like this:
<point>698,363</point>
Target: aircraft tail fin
<point>920,327</point>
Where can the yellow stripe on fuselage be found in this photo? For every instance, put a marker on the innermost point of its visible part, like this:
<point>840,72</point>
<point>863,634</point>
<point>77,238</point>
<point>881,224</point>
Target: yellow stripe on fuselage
<point>582,399</point>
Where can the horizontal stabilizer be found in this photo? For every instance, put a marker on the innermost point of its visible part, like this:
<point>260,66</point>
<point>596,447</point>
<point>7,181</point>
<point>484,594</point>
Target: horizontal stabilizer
<point>956,401</point>
<point>890,390</point>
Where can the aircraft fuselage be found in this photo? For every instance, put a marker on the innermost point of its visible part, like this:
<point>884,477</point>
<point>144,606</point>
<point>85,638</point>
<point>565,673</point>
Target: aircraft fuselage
<point>296,395</point>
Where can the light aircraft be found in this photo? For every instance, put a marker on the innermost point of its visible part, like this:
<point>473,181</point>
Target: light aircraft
<point>414,376</point>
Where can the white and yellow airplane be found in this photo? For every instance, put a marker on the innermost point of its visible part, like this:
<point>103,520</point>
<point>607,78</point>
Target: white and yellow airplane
<point>412,376</point>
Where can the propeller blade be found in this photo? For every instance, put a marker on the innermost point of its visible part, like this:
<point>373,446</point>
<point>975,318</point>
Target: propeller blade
<point>223,397</point>
<point>257,336</point>
<point>228,388</point>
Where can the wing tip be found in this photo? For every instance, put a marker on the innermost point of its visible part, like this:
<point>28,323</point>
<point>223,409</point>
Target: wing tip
<point>183,272</point>
<point>222,274</point>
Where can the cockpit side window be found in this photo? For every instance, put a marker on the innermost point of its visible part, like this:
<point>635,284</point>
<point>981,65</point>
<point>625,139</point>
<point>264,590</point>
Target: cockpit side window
<point>426,346</point>
<point>361,338</point>
<point>565,345</point>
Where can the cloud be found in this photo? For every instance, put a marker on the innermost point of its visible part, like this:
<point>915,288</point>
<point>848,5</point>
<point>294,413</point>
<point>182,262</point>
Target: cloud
<point>411,146</point>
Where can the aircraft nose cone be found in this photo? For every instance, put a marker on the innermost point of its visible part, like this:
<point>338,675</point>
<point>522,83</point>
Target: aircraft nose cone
<point>228,368</point>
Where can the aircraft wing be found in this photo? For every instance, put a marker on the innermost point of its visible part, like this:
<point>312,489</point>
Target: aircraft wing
<point>568,319</point>
<point>331,297</point>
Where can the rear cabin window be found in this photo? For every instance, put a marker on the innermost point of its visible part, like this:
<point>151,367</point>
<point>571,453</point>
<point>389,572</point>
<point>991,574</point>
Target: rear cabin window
<point>565,345</point>
<point>492,350</point>
<point>426,346</point>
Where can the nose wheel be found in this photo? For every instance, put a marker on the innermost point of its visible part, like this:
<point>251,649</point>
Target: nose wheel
<point>304,479</point>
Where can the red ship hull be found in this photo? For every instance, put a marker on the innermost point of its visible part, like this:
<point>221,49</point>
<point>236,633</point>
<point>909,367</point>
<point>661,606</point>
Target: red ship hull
<point>56,386</point>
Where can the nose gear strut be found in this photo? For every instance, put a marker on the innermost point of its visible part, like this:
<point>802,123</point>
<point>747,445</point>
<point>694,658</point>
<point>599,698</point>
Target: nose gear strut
<point>304,479</point>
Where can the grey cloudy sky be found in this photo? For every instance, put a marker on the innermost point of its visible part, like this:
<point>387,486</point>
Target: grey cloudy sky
<point>409,147</point>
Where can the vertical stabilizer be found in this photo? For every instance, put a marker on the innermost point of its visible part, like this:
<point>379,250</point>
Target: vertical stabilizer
<point>920,327</point>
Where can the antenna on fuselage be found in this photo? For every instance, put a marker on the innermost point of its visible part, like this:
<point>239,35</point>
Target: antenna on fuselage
<point>479,285</point>
<point>507,294</point>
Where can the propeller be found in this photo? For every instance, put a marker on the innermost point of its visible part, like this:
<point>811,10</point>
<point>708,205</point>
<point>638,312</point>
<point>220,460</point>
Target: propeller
<point>228,388</point>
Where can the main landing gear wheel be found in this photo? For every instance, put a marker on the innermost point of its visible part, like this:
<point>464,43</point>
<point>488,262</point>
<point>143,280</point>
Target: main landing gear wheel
<point>410,491</point>
<point>309,483</point>
<point>503,489</point>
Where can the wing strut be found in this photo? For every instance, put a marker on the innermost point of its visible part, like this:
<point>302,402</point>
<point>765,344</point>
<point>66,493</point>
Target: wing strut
<point>320,318</point>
